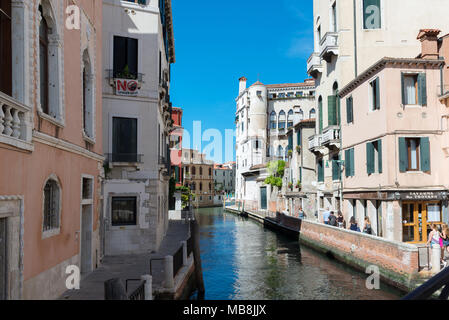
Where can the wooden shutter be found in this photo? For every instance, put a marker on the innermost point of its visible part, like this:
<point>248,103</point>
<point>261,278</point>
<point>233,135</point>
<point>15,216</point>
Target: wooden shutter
<point>370,158</point>
<point>422,89</point>
<point>403,155</point>
<point>332,110</point>
<point>290,141</point>
<point>376,83</point>
<point>338,115</point>
<point>349,112</point>
<point>424,148</point>
<point>132,57</point>
<point>320,170</point>
<point>298,138</point>
<point>352,162</point>
<point>348,163</point>
<point>320,114</point>
<point>335,169</point>
<point>379,153</point>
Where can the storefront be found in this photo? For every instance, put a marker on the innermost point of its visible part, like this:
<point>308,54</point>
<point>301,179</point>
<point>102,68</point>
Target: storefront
<point>419,211</point>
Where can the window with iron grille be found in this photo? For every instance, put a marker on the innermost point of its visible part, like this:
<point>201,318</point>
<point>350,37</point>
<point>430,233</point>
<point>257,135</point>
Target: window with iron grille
<point>124,211</point>
<point>51,205</point>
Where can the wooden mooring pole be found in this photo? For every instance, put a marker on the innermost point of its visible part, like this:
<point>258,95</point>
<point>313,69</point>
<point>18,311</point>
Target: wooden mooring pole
<point>195,233</point>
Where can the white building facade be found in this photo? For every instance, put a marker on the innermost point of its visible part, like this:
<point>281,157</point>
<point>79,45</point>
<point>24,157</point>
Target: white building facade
<point>350,36</point>
<point>264,115</point>
<point>138,48</point>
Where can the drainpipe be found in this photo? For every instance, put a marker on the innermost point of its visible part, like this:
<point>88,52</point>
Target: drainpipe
<point>355,38</point>
<point>441,76</point>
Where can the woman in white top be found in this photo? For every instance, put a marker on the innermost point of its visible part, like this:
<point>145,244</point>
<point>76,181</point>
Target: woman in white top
<point>434,236</point>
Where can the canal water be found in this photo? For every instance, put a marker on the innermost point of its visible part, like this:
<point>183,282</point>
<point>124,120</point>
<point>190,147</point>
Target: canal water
<point>242,260</point>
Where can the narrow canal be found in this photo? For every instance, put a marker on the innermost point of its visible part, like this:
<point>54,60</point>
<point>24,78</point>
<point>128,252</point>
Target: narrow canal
<point>244,261</point>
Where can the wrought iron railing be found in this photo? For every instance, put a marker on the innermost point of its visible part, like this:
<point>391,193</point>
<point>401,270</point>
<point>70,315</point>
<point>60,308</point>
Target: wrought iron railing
<point>431,287</point>
<point>177,261</point>
<point>139,292</point>
<point>124,157</point>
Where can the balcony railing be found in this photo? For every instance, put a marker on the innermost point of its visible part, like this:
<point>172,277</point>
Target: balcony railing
<point>124,158</point>
<point>111,76</point>
<point>315,142</point>
<point>314,64</point>
<point>329,46</point>
<point>15,122</point>
<point>331,134</point>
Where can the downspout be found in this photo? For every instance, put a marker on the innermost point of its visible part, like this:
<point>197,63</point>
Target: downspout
<point>355,38</point>
<point>441,76</point>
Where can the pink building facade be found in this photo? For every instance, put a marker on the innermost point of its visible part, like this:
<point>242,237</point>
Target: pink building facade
<point>393,144</point>
<point>50,144</point>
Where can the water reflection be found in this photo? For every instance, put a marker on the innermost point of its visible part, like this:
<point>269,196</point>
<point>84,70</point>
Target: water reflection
<point>243,261</point>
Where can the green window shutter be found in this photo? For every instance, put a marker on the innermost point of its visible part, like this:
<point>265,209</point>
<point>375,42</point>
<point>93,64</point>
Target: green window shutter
<point>404,95</point>
<point>331,110</point>
<point>290,141</point>
<point>336,174</point>
<point>348,169</point>
<point>379,152</point>
<point>338,111</point>
<point>422,89</point>
<point>370,158</point>
<point>352,163</point>
<point>320,171</point>
<point>349,118</point>
<point>320,113</point>
<point>403,155</point>
<point>424,148</point>
<point>377,106</point>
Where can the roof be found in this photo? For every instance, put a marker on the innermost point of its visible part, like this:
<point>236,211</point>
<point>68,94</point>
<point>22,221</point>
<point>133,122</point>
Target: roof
<point>171,38</point>
<point>257,83</point>
<point>291,85</point>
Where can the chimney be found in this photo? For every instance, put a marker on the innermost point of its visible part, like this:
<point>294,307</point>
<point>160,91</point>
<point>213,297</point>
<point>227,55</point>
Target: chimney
<point>429,43</point>
<point>242,84</point>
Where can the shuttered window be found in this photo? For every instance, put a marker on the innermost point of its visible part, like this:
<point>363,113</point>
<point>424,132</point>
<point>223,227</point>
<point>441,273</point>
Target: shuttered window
<point>290,141</point>
<point>298,138</point>
<point>349,163</point>
<point>375,94</point>
<point>414,154</point>
<point>124,139</point>
<point>320,114</point>
<point>332,110</point>
<point>336,173</point>
<point>349,110</point>
<point>372,17</point>
<point>320,171</point>
<point>374,157</point>
<point>414,89</point>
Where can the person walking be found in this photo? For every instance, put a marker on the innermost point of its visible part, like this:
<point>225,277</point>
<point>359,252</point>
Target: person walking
<point>340,220</point>
<point>367,228</point>
<point>434,239</point>
<point>445,249</point>
<point>332,219</point>
<point>353,225</point>
<point>326,215</point>
<point>301,214</point>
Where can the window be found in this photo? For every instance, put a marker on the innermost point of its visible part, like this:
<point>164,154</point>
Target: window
<point>299,94</point>
<point>280,151</point>
<point>312,114</point>
<point>201,186</point>
<point>414,90</point>
<point>349,110</point>
<point>336,173</point>
<point>349,163</point>
<point>142,2</point>
<point>371,14</point>
<point>332,110</point>
<point>374,157</point>
<point>301,114</point>
<point>281,124</point>
<point>320,170</point>
<point>273,120</point>
<point>52,205</point>
<point>201,171</point>
<point>374,95</point>
<point>319,33</point>
<point>290,119</point>
<point>414,154</point>
<point>43,60</point>
<point>125,57</point>
<point>210,171</point>
<point>334,17</point>
<point>320,113</point>
<point>5,47</point>
<point>124,140</point>
<point>124,211</point>
<point>88,96</point>
<point>290,142</point>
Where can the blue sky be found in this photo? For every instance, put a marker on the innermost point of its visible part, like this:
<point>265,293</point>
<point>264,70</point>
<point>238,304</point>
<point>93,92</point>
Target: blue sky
<point>217,42</point>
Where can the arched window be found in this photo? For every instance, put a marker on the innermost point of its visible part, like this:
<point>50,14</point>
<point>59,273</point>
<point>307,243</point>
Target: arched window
<point>201,171</point>
<point>201,186</point>
<point>43,59</point>
<point>210,171</point>
<point>193,186</point>
<point>312,114</point>
<point>320,114</point>
<point>50,52</point>
<point>193,170</point>
<point>210,187</point>
<point>290,119</point>
<point>301,114</point>
<point>52,205</point>
<point>280,151</point>
<point>273,120</point>
<point>281,124</point>
<point>88,96</point>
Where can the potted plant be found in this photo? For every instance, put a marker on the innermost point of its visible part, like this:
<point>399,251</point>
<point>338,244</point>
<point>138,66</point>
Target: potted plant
<point>298,185</point>
<point>298,149</point>
<point>290,152</point>
<point>290,186</point>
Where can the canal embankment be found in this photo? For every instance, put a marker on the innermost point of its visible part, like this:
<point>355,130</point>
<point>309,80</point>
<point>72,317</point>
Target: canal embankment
<point>398,263</point>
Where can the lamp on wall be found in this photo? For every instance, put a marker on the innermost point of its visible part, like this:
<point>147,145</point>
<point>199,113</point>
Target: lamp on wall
<point>397,196</point>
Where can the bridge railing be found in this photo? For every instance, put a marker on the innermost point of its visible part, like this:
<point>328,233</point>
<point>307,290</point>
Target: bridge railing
<point>438,282</point>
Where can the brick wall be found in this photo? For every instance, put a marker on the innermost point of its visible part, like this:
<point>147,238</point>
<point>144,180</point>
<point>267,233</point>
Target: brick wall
<point>397,262</point>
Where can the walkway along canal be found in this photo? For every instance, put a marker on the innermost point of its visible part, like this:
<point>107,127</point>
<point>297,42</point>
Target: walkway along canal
<point>242,260</point>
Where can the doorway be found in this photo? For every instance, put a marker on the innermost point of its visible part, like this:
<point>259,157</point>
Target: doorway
<point>263,198</point>
<point>3,259</point>
<point>417,218</point>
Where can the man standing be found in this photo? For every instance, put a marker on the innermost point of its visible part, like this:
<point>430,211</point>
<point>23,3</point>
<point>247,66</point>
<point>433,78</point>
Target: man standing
<point>326,215</point>
<point>332,219</point>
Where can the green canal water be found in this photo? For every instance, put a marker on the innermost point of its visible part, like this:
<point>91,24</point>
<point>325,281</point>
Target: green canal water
<point>242,260</point>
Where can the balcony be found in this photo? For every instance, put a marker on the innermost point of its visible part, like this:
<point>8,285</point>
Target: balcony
<point>315,143</point>
<point>329,46</point>
<point>331,136</point>
<point>314,66</point>
<point>124,158</point>
<point>15,123</point>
